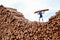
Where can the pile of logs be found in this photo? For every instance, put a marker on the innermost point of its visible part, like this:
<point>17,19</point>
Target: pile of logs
<point>14,26</point>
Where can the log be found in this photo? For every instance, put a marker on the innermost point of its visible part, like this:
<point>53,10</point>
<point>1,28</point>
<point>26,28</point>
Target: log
<point>42,10</point>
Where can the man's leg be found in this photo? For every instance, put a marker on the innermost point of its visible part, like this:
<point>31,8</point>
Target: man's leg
<point>39,19</point>
<point>42,19</point>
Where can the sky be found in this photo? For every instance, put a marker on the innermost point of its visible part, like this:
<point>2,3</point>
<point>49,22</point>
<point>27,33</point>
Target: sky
<point>28,7</point>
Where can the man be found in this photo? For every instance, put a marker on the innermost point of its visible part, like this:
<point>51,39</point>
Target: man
<point>40,12</point>
<point>41,16</point>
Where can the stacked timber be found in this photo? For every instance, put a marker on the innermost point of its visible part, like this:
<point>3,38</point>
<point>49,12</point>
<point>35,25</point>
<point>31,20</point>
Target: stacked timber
<point>14,26</point>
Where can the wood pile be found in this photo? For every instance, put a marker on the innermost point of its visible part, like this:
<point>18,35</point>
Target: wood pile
<point>14,26</point>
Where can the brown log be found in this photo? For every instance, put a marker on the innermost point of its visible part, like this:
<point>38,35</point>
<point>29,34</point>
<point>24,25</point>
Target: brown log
<point>42,10</point>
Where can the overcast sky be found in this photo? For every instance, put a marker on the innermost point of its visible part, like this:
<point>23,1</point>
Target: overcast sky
<point>28,7</point>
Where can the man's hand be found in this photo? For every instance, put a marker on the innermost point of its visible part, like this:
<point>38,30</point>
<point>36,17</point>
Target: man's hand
<point>43,12</point>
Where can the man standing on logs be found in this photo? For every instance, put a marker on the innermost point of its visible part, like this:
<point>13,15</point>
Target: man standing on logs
<point>40,12</point>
